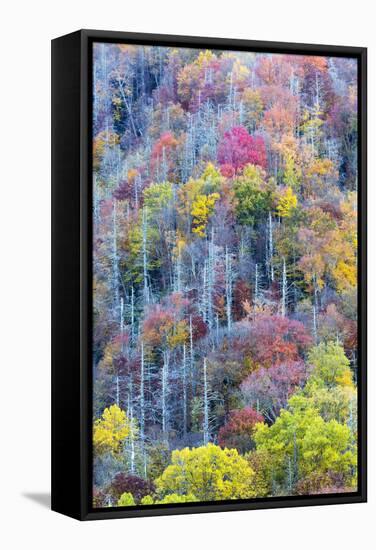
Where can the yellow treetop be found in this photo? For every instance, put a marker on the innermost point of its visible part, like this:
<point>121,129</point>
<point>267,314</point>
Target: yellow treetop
<point>111,430</point>
<point>208,473</point>
<point>287,202</point>
<point>202,208</point>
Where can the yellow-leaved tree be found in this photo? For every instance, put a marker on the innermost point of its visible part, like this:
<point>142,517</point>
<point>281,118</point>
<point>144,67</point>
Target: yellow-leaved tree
<point>207,473</point>
<point>202,208</point>
<point>110,431</point>
<point>287,202</point>
<point>126,499</point>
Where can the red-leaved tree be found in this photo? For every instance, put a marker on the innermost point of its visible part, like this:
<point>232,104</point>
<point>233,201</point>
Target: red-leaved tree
<point>127,483</point>
<point>239,148</point>
<point>237,433</point>
<point>269,389</point>
<point>274,340</point>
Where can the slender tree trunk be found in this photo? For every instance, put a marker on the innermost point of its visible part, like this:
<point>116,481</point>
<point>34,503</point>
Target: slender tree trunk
<point>165,368</point>
<point>122,317</point>
<point>205,293</point>
<point>184,391</point>
<point>315,307</point>
<point>144,255</point>
<point>228,269</point>
<point>96,202</point>
<point>314,323</point>
<point>131,435</point>
<point>256,285</point>
<point>127,105</point>
<point>271,248</point>
<point>164,165</point>
<point>289,476</point>
<point>117,383</point>
<point>135,193</point>
<point>295,461</point>
<point>132,314</point>
<point>115,258</point>
<point>211,278</point>
<point>191,356</point>
<point>142,396</point>
<point>284,290</point>
<point>206,407</point>
<point>177,278</point>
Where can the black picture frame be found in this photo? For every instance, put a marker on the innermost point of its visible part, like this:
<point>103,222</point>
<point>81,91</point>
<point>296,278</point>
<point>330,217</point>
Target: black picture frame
<point>71,273</point>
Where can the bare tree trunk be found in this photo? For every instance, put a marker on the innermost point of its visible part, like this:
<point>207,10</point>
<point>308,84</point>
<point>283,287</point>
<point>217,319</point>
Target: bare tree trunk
<point>256,285</point>
<point>122,318</point>
<point>206,407</point>
<point>314,322</point>
<point>131,435</point>
<point>164,165</point>
<point>217,328</point>
<point>228,269</point>
<point>115,265</point>
<point>211,279</point>
<point>295,461</point>
<point>117,383</point>
<point>122,345</point>
<point>191,357</point>
<point>127,104</point>
<point>315,306</point>
<point>132,314</point>
<point>96,195</point>
<point>142,395</point>
<point>205,293</point>
<point>165,368</point>
<point>144,255</point>
<point>271,248</point>
<point>289,476</point>
<point>284,290</point>
<point>184,392</point>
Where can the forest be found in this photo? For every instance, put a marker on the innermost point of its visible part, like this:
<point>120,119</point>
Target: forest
<point>224,275</point>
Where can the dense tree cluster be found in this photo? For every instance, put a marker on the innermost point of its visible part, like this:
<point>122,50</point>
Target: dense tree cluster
<point>224,275</point>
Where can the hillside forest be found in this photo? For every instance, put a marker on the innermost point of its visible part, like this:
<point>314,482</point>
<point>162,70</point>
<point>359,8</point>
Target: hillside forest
<point>224,275</point>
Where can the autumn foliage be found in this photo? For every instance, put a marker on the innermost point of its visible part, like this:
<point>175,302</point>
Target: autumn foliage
<point>238,431</point>
<point>238,148</point>
<point>225,266</point>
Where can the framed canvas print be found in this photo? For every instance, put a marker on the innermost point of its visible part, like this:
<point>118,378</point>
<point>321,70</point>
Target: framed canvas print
<point>209,274</point>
